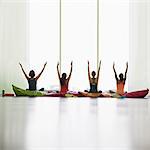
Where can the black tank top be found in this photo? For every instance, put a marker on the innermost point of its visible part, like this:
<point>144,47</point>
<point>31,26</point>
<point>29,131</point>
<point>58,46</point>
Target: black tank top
<point>93,88</point>
<point>32,84</point>
<point>93,85</point>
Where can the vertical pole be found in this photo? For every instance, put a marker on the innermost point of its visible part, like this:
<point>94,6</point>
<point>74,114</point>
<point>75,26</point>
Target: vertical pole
<point>97,33</point>
<point>60,33</point>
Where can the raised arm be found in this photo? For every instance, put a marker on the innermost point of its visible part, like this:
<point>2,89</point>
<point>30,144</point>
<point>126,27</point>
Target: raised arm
<point>24,71</point>
<point>126,71</point>
<point>41,71</point>
<point>70,71</point>
<point>89,71</point>
<point>98,70</point>
<point>58,71</point>
<point>115,71</point>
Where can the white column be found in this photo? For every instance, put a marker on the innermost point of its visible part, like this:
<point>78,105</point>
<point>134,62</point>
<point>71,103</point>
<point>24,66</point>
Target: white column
<point>13,42</point>
<point>148,44</point>
<point>139,45</point>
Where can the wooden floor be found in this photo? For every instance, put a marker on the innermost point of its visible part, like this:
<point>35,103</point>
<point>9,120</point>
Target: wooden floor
<point>74,124</point>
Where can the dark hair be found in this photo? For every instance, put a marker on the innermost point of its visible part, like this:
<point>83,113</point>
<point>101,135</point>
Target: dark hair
<point>93,73</point>
<point>121,76</point>
<point>32,73</point>
<point>63,78</point>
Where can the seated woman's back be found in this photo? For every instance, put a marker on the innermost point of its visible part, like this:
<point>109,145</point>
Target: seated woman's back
<point>64,85</point>
<point>94,79</point>
<point>121,80</point>
<point>32,80</point>
<point>120,87</point>
<point>93,85</point>
<point>64,80</point>
<point>32,84</point>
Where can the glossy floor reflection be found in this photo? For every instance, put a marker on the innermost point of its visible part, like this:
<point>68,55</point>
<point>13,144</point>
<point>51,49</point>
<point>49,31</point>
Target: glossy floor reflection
<point>74,124</point>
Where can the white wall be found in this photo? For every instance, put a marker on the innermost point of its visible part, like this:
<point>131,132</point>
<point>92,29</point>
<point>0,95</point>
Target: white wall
<point>79,39</point>
<point>139,74</point>
<point>41,19</point>
<point>114,40</point>
<point>44,40</point>
<point>13,42</point>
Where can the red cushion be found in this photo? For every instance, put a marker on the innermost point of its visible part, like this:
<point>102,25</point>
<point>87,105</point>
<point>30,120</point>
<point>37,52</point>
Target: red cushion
<point>137,94</point>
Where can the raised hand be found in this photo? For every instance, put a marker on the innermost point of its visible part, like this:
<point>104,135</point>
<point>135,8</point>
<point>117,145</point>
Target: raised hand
<point>100,63</point>
<point>45,64</point>
<point>71,63</point>
<point>113,64</point>
<point>57,64</point>
<point>126,70</point>
<point>24,71</point>
<point>20,64</point>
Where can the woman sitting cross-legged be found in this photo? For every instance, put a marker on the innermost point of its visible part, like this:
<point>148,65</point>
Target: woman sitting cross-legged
<point>121,80</point>
<point>64,80</point>
<point>94,79</point>
<point>32,80</point>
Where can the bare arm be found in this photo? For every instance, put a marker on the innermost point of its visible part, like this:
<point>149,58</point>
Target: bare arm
<point>58,71</point>
<point>41,71</point>
<point>70,72</point>
<point>126,71</point>
<point>115,71</point>
<point>89,71</point>
<point>98,71</point>
<point>24,71</point>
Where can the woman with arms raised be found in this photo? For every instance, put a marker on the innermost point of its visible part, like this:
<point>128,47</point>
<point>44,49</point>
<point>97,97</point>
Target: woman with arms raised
<point>32,80</point>
<point>93,80</point>
<point>64,80</point>
<point>121,80</point>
